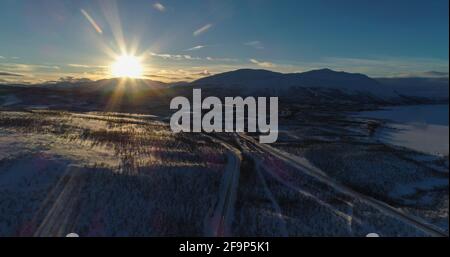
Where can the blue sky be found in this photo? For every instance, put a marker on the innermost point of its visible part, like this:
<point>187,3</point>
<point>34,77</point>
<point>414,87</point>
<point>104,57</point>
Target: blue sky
<point>184,40</point>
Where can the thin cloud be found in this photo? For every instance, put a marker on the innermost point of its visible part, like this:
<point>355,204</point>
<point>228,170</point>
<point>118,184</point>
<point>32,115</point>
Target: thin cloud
<point>204,73</point>
<point>255,44</point>
<point>20,67</point>
<point>202,29</point>
<point>263,64</point>
<point>167,56</point>
<point>188,57</point>
<point>181,57</point>
<point>176,75</point>
<point>175,57</point>
<point>48,67</point>
<point>12,58</point>
<point>426,74</point>
<point>435,74</point>
<point>383,66</point>
<point>158,6</point>
<point>221,59</point>
<point>74,65</point>
<point>92,21</point>
<point>16,67</point>
<point>195,48</point>
<point>10,74</point>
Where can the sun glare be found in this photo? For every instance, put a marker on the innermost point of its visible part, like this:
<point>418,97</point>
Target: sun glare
<point>127,66</point>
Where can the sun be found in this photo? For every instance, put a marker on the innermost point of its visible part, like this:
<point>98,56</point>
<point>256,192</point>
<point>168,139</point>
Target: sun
<point>127,66</point>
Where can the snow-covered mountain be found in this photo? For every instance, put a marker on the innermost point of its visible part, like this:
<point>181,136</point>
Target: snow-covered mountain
<point>318,87</point>
<point>323,78</point>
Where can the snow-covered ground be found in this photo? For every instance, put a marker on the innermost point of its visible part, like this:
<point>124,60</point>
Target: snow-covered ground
<point>104,174</point>
<point>348,151</point>
<point>121,174</point>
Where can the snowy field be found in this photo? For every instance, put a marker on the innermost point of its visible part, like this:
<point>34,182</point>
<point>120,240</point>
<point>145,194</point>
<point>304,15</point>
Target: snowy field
<point>103,175</point>
<point>349,151</point>
<point>122,174</point>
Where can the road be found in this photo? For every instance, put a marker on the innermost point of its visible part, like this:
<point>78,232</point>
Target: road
<point>305,166</point>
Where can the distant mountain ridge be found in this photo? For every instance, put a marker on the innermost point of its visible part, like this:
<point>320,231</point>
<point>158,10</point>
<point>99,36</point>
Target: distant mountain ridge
<point>323,78</point>
<point>317,87</point>
<point>256,80</point>
<point>105,84</point>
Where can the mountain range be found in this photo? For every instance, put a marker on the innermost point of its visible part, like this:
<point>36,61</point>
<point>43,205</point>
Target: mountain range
<point>424,87</point>
<point>312,87</point>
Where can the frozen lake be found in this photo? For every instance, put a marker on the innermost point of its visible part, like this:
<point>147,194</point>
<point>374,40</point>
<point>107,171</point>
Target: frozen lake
<point>420,127</point>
